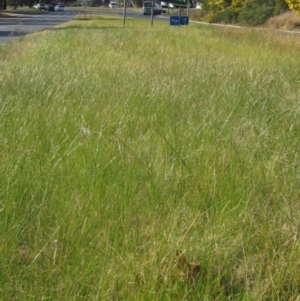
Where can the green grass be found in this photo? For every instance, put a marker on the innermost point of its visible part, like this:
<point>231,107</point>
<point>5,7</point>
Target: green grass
<point>121,145</point>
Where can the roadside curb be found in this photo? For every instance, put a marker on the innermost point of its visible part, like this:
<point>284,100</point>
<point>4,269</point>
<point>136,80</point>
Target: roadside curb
<point>12,15</point>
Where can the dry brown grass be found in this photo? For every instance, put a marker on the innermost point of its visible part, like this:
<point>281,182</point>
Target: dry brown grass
<point>184,271</point>
<point>287,21</point>
<point>4,15</point>
<point>190,271</point>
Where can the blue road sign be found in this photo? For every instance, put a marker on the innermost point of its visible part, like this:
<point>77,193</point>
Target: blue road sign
<point>174,20</point>
<point>179,20</point>
<point>184,20</point>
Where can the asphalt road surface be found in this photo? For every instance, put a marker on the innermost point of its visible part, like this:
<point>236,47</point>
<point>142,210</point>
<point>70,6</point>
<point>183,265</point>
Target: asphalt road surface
<point>136,14</point>
<point>19,25</point>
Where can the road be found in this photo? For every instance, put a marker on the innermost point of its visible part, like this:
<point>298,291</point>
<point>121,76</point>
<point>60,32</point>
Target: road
<point>18,25</point>
<point>15,26</point>
<point>140,15</point>
<point>130,13</point>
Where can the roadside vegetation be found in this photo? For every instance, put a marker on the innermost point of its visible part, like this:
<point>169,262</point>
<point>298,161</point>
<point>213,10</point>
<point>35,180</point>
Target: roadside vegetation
<point>244,12</point>
<point>149,163</point>
<point>289,21</point>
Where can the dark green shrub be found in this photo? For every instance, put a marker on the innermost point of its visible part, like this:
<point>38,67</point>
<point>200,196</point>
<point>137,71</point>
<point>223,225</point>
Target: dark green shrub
<point>205,5</point>
<point>198,14</point>
<point>226,16</point>
<point>255,14</point>
<point>280,7</point>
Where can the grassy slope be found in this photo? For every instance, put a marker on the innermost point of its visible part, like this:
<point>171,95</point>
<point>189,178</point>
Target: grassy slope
<point>121,145</point>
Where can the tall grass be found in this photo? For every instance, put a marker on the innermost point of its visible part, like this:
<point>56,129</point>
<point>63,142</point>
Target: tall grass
<point>121,145</point>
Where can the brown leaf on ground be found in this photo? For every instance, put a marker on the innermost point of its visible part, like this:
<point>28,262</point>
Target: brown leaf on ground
<point>188,270</point>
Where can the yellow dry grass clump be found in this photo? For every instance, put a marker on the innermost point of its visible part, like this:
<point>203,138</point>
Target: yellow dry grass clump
<point>287,21</point>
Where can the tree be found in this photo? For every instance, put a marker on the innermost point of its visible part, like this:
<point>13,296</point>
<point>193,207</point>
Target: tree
<point>3,5</point>
<point>237,7</point>
<point>294,4</point>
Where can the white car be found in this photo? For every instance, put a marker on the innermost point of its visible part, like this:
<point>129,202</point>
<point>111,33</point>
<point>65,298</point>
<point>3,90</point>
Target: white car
<point>59,7</point>
<point>112,4</point>
<point>40,6</point>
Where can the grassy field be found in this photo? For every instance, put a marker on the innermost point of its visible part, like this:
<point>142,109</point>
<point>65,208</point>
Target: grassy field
<point>120,146</point>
